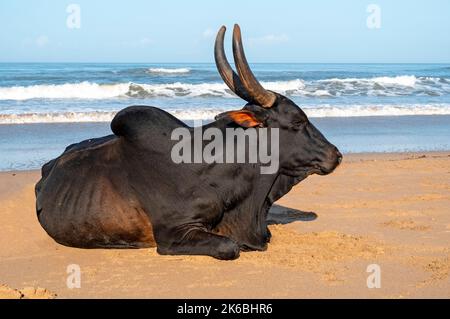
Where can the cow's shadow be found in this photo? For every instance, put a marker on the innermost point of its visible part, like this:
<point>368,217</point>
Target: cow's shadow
<point>284,215</point>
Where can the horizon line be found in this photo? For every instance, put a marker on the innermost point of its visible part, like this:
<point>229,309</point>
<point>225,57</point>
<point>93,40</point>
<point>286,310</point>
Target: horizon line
<point>141,62</point>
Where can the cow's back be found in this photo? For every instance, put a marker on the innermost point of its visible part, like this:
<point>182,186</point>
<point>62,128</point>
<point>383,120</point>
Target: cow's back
<point>84,200</point>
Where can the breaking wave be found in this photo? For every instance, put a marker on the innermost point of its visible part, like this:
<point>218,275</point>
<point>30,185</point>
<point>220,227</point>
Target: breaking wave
<point>329,88</point>
<point>401,80</point>
<point>168,71</point>
<point>210,113</point>
<point>380,86</point>
<point>96,116</point>
<point>84,90</point>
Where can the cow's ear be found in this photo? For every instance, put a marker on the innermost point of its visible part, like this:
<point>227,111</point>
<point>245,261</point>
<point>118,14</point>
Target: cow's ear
<point>242,118</point>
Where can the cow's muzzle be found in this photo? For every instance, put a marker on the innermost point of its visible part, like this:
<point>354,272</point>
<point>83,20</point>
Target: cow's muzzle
<point>334,158</point>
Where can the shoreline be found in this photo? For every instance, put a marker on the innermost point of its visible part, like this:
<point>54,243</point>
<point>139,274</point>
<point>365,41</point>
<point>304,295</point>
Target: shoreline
<point>29,146</point>
<point>385,209</point>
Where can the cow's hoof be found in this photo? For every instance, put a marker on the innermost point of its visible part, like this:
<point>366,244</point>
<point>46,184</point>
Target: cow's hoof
<point>268,236</point>
<point>254,247</point>
<point>227,250</point>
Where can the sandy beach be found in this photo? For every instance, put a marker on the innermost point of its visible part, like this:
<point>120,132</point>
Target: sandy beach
<point>392,210</point>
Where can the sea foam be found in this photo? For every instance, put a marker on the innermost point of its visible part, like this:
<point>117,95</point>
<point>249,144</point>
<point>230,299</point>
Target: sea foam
<point>83,90</point>
<point>329,88</point>
<point>210,113</point>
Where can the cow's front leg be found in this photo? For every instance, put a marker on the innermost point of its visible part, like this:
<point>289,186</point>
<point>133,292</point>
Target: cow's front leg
<point>201,242</point>
<point>246,227</point>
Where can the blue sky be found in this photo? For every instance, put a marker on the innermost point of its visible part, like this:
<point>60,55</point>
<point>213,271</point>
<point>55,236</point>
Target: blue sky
<point>183,31</point>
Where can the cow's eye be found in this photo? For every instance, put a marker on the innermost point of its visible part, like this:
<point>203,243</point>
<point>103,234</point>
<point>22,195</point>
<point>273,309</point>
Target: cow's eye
<point>298,125</point>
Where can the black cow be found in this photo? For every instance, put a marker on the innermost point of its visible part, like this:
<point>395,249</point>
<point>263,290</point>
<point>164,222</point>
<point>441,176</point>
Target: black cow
<point>124,190</point>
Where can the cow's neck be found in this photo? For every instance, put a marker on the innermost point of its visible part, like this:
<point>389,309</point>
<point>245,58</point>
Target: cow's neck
<point>244,219</point>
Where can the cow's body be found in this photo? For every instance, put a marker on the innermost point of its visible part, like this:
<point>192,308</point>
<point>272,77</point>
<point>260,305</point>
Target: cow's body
<point>126,191</point>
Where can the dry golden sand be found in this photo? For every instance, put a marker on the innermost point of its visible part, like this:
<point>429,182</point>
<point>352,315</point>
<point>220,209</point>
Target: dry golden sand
<point>387,209</point>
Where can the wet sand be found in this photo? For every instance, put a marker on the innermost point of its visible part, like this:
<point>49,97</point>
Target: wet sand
<point>392,210</point>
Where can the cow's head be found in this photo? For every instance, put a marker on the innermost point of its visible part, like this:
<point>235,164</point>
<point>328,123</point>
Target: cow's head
<point>303,149</point>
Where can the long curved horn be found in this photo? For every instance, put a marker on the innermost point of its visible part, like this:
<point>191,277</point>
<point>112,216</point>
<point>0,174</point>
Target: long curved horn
<point>226,72</point>
<point>255,90</point>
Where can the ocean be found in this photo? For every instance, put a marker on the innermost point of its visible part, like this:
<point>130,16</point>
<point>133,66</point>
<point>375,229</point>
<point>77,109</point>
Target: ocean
<point>359,107</point>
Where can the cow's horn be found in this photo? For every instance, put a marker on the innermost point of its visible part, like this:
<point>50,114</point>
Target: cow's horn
<point>226,72</point>
<point>257,93</point>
